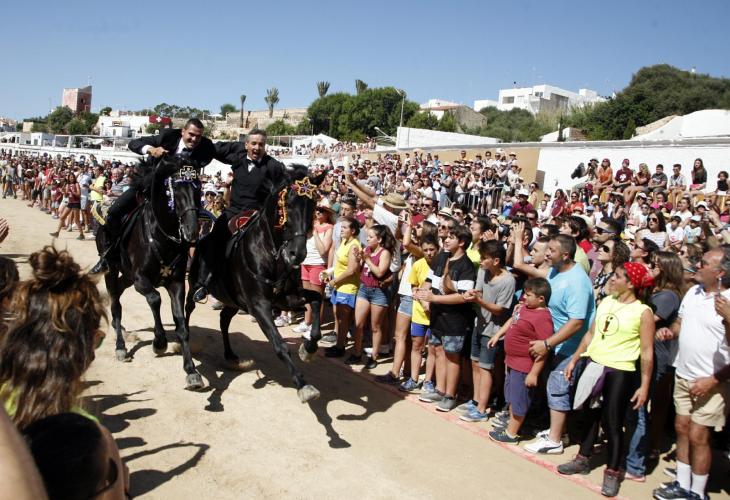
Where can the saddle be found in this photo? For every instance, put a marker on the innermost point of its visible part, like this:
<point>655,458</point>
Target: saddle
<point>237,227</point>
<point>240,221</point>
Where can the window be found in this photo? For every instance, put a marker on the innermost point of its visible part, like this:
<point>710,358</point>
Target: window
<point>508,100</point>
<point>538,94</point>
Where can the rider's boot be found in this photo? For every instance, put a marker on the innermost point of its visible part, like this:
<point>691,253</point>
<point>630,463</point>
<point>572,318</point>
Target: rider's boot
<point>204,276</point>
<point>110,242</point>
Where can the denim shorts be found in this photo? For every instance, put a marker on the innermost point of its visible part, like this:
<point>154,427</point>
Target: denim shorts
<point>347,299</point>
<point>517,394</point>
<point>406,305</point>
<point>558,389</point>
<point>419,330</point>
<point>453,344</point>
<point>484,355</point>
<point>375,295</point>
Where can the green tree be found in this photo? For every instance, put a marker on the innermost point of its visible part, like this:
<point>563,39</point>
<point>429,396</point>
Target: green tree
<point>39,127</point>
<point>322,88</point>
<point>360,86</point>
<point>280,127</point>
<point>304,127</point>
<point>77,126</point>
<point>447,123</point>
<point>59,118</point>
<point>424,120</point>
<point>105,111</point>
<point>227,108</point>
<point>90,120</point>
<point>152,128</point>
<point>272,98</point>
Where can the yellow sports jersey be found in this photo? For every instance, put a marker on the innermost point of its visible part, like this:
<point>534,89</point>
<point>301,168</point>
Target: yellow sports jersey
<point>419,273</point>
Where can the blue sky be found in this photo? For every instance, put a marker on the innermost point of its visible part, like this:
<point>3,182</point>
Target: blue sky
<point>204,54</point>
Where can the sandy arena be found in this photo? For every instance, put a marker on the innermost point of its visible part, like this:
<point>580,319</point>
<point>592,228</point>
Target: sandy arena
<point>248,436</point>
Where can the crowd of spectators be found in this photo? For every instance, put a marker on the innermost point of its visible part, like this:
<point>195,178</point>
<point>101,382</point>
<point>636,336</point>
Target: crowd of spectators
<point>591,314</point>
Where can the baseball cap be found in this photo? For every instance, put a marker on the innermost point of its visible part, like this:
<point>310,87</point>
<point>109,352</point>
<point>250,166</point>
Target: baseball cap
<point>695,218</point>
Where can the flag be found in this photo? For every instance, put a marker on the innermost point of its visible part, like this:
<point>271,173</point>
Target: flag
<point>162,120</point>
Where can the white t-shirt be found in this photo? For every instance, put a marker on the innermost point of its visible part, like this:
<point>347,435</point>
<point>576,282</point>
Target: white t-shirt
<point>675,235</point>
<point>404,288</point>
<point>390,220</point>
<point>703,348</point>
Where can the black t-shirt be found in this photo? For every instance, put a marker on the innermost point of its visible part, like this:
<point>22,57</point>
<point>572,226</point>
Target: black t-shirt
<point>452,319</point>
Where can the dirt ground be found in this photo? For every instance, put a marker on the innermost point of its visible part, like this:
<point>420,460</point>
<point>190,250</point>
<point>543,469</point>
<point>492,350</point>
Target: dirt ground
<point>248,436</point>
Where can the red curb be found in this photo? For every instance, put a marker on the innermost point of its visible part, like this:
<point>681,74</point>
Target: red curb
<point>450,417</point>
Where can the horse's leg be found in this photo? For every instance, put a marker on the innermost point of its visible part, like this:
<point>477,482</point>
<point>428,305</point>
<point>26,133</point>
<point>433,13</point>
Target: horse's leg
<point>144,287</point>
<point>262,312</point>
<point>308,348</point>
<point>227,314</point>
<point>113,286</point>
<point>176,290</point>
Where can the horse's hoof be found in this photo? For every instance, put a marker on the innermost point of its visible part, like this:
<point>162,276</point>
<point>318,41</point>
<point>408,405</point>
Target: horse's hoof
<point>239,365</point>
<point>159,350</point>
<point>304,355</point>
<point>121,354</point>
<point>194,381</point>
<point>308,393</point>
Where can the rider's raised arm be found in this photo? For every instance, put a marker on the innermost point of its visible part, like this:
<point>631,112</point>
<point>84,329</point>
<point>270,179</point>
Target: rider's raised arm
<point>230,152</point>
<point>142,144</point>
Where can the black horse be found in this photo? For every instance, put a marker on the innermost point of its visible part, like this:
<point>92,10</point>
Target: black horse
<point>259,267</point>
<point>154,250</point>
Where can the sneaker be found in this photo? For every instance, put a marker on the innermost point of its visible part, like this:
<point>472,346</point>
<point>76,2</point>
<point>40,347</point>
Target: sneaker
<point>55,235</point>
<point>501,436</point>
<point>302,328</point>
<point>546,434</point>
<point>334,352</point>
<point>671,492</point>
<point>446,404</point>
<point>474,415</point>
<point>383,349</point>
<point>668,471</point>
<point>409,385</point>
<point>545,447</point>
<point>579,465</point>
<point>329,339</point>
<point>465,408</point>
<point>352,360</point>
<point>91,237</point>
<point>388,378</point>
<point>431,397</point>
<point>611,483</point>
<point>427,387</point>
<point>282,321</point>
<point>502,415</point>
<point>370,363</point>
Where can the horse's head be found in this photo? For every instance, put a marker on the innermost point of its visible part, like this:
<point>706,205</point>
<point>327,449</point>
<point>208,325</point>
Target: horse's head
<point>299,201</point>
<point>179,186</point>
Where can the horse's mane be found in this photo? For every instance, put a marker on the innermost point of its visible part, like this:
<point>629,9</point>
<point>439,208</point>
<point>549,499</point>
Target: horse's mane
<point>293,172</point>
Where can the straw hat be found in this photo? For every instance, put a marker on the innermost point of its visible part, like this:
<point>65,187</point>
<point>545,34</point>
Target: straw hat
<point>395,200</point>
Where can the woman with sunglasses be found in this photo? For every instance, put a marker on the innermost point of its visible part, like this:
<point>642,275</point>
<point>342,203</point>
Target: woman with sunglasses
<point>621,335</point>
<point>611,254</point>
<point>50,343</point>
<point>656,229</point>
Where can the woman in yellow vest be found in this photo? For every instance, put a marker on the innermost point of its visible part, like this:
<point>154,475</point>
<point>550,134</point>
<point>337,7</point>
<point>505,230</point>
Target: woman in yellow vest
<point>621,334</point>
<point>345,282</point>
<point>49,345</point>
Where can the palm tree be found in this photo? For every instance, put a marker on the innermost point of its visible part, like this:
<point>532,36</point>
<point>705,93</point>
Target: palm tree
<point>360,86</point>
<point>272,97</point>
<point>322,88</point>
<point>243,99</point>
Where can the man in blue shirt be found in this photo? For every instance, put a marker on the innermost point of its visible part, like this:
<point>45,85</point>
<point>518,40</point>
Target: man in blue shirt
<point>572,307</point>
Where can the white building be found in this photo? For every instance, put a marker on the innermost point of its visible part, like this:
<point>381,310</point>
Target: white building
<point>437,107</point>
<point>119,124</point>
<point>540,98</point>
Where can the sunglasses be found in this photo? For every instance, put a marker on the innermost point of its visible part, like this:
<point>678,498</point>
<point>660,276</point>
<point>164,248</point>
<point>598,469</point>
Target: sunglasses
<point>653,219</point>
<point>600,230</point>
<point>445,226</point>
<point>606,248</point>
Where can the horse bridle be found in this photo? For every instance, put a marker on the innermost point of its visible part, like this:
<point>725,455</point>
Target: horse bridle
<point>188,175</point>
<point>302,187</point>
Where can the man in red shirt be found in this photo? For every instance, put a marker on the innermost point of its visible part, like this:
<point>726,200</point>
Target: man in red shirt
<point>623,176</point>
<point>522,206</point>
